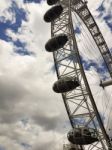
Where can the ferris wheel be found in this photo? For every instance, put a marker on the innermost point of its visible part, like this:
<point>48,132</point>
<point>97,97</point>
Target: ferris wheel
<point>73,32</point>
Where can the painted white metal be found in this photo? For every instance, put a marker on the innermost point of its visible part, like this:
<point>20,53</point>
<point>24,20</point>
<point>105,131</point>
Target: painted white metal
<point>106,83</point>
<point>79,103</point>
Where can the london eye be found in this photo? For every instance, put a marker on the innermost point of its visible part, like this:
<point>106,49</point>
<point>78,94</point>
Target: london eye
<point>73,32</point>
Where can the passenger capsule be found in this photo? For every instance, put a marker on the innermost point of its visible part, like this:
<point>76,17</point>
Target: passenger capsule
<point>52,2</point>
<point>56,43</point>
<point>82,136</point>
<point>53,13</point>
<point>65,84</point>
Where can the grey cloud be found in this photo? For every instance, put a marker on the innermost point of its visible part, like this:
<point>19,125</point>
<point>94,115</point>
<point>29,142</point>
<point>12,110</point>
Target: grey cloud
<point>47,146</point>
<point>11,90</point>
<point>47,122</point>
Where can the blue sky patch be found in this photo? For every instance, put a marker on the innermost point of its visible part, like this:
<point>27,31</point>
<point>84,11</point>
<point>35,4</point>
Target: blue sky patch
<point>19,14</point>
<point>110,49</point>
<point>102,69</point>
<point>79,121</point>
<point>19,44</point>
<point>77,30</point>
<point>23,52</point>
<point>108,21</point>
<point>53,68</point>
<point>25,121</point>
<point>101,8</point>
<point>21,48</point>
<point>3,28</point>
<point>25,145</point>
<point>2,148</point>
<point>32,1</point>
<point>108,17</point>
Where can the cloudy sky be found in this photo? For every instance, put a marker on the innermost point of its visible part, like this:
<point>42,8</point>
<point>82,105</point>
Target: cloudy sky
<point>32,116</point>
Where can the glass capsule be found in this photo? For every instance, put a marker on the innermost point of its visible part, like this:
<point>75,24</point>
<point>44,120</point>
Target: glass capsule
<point>56,43</point>
<point>53,13</point>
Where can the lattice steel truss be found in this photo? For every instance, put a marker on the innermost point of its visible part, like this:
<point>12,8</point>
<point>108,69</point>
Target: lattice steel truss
<point>79,103</point>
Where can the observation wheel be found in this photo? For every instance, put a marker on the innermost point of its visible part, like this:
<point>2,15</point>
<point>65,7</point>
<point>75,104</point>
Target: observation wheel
<point>88,131</point>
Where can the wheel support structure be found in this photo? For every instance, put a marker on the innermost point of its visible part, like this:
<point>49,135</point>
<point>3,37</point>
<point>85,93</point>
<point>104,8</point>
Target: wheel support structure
<point>79,103</point>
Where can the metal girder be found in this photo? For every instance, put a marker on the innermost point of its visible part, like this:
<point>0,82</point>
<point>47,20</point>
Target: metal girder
<point>106,83</point>
<point>79,103</point>
<point>83,12</point>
